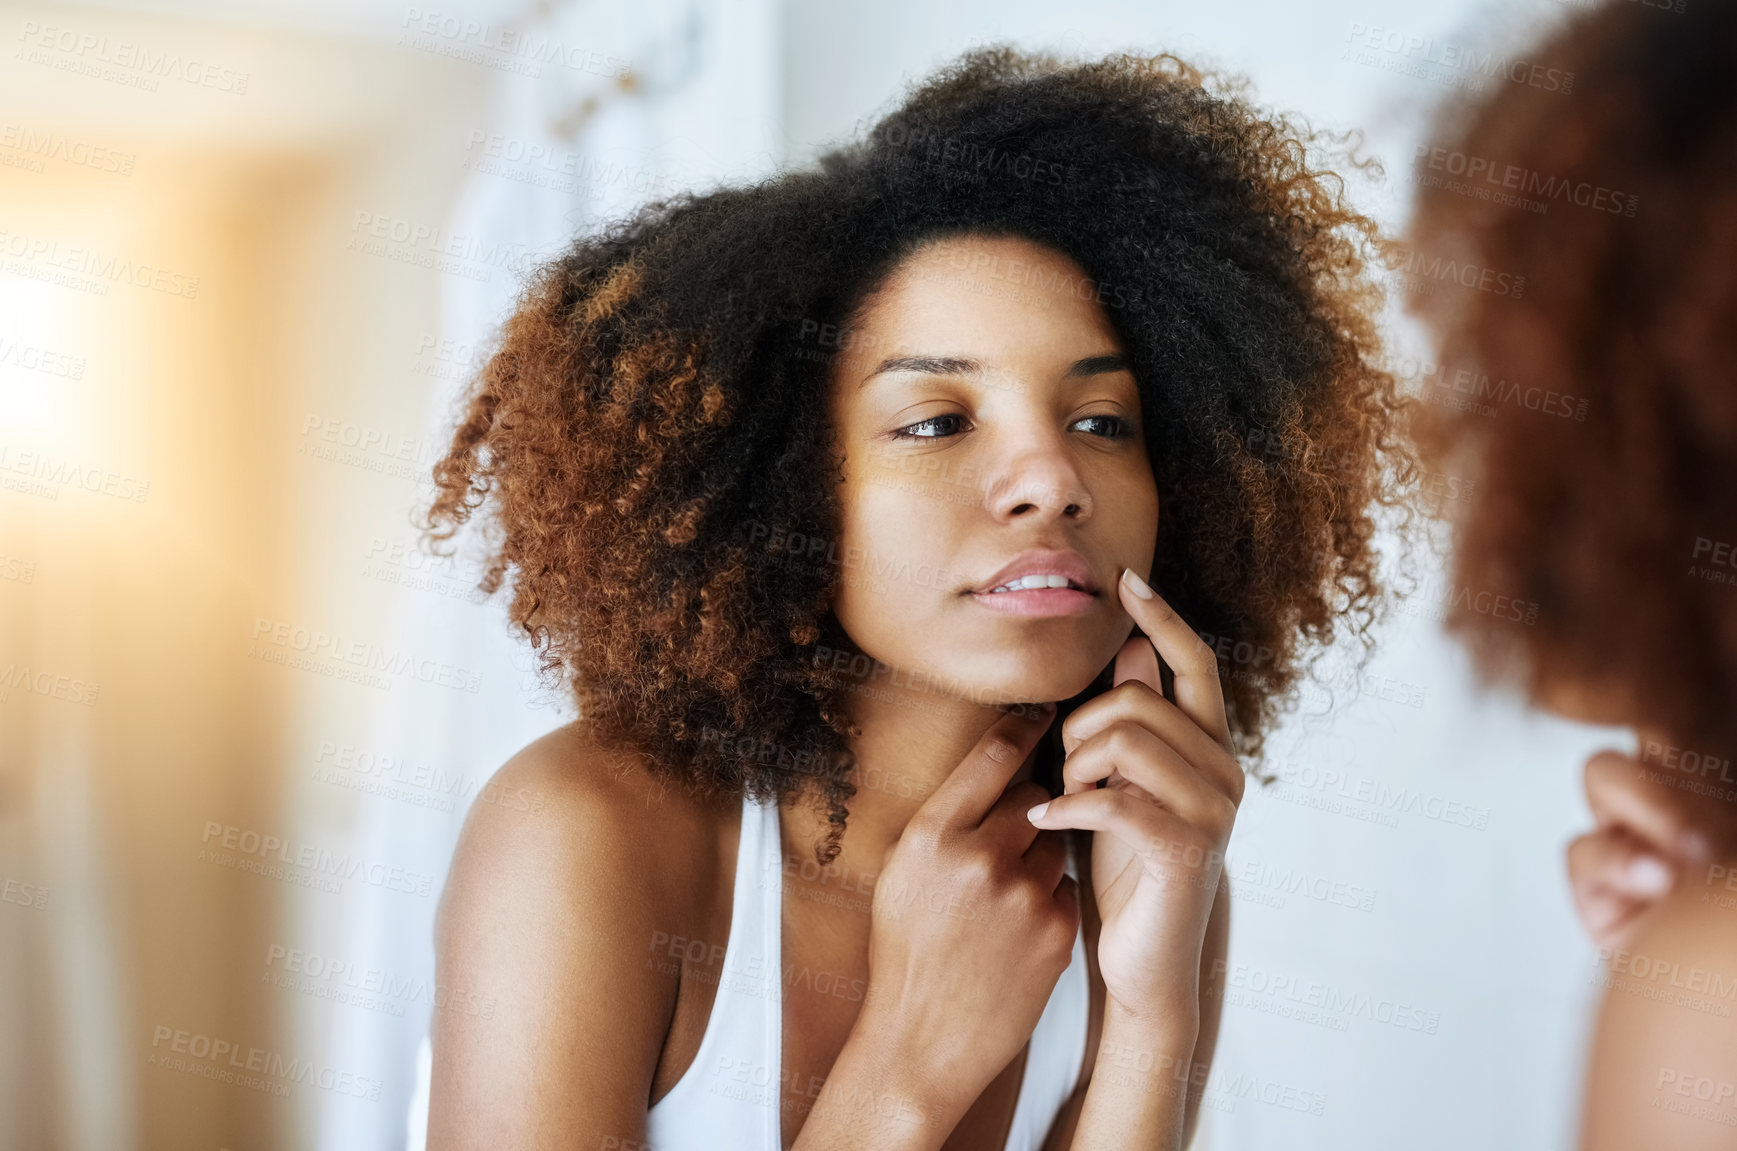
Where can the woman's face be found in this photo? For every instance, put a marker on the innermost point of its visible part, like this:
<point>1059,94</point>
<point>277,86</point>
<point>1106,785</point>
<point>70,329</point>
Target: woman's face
<point>990,426</point>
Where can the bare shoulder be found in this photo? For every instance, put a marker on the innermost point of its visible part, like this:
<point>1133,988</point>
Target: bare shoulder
<point>1663,1073</point>
<point>566,811</point>
<point>570,862</point>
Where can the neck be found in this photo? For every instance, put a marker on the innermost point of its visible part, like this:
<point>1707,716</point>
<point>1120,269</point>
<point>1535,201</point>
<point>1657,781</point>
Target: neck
<point>911,741</point>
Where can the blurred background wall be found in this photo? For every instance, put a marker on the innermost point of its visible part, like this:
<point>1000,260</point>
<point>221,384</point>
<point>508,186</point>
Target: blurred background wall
<point>248,253</point>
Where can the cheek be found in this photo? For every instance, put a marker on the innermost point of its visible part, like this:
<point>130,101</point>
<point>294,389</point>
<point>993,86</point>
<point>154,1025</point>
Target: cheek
<point>1136,501</point>
<point>892,524</point>
<point>896,512</point>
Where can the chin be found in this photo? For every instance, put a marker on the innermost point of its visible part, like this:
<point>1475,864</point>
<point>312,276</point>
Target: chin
<point>1043,685</point>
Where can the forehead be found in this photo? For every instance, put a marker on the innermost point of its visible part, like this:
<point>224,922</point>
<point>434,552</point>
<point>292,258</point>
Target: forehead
<point>986,297</point>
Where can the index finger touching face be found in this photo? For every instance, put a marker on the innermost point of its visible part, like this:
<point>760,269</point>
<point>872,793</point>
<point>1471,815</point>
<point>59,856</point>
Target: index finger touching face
<point>1198,691</point>
<point>971,790</point>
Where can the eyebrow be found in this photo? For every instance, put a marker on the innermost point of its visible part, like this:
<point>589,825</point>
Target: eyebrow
<point>961,366</point>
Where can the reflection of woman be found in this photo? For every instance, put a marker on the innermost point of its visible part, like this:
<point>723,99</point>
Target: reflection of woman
<point>813,490</point>
<point>1620,526</point>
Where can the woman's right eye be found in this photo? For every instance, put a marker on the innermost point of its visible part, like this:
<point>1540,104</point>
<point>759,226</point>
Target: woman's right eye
<point>908,432</point>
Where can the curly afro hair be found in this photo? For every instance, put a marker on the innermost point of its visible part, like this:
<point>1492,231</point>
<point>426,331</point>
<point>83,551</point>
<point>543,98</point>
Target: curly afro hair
<point>650,434</point>
<point>1616,515</point>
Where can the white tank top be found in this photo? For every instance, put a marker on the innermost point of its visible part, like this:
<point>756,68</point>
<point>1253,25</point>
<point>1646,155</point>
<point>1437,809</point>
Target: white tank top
<point>729,1096</point>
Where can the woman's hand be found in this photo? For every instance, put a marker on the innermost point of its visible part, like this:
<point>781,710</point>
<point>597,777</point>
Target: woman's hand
<point>1645,835</point>
<point>1162,820</point>
<point>974,919</point>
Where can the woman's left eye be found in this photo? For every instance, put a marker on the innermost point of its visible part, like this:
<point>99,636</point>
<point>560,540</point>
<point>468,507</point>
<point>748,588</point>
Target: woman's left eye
<point>906,433</point>
<point>1119,428</point>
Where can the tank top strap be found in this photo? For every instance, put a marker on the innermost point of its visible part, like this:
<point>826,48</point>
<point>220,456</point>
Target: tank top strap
<point>730,1095</point>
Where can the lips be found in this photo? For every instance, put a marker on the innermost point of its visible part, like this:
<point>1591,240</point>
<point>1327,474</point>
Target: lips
<point>1035,562</point>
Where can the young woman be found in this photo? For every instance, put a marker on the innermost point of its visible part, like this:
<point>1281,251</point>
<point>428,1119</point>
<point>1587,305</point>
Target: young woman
<point>1616,512</point>
<point>837,500</point>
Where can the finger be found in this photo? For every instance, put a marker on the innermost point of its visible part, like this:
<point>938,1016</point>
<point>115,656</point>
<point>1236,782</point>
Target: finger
<point>1618,862</point>
<point>1006,823</point>
<point>1137,662</point>
<point>1067,894</point>
<point>1620,795</point>
<point>1607,915</point>
<point>1146,760</point>
<point>1135,702</point>
<point>971,790</point>
<point>1198,692</point>
<point>1047,860</point>
<point>1158,836</point>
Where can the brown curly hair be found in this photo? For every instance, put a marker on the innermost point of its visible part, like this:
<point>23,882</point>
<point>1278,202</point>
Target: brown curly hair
<point>1607,511</point>
<point>650,437</point>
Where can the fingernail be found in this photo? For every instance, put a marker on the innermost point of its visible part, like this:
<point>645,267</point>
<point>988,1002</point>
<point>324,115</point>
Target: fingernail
<point>1036,813</point>
<point>1648,875</point>
<point>1136,584</point>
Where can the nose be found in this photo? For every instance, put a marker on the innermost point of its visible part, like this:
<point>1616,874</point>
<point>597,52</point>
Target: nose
<point>1039,481</point>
